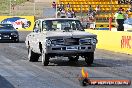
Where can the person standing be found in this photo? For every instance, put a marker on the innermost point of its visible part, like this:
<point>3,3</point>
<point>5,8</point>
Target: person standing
<point>119,19</point>
<point>68,14</point>
<point>98,9</point>
<point>54,5</point>
<point>91,19</point>
<point>73,13</point>
<point>68,6</point>
<point>130,9</point>
<point>61,7</point>
<point>126,15</point>
<point>130,1</point>
<point>90,8</point>
<point>63,14</point>
<point>90,11</point>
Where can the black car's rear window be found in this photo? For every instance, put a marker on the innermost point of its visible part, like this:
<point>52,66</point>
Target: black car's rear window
<point>6,27</point>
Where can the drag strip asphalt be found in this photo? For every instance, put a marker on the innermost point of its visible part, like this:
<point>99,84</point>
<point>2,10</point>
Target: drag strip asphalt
<point>17,72</point>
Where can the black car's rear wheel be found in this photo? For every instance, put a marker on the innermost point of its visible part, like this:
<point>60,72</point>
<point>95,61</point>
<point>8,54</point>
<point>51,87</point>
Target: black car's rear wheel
<point>16,40</point>
<point>33,57</point>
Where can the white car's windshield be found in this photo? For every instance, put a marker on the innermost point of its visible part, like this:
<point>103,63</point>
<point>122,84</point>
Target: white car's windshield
<point>63,24</point>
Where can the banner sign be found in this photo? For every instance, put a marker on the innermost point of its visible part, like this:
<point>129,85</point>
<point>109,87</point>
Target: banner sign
<point>114,41</point>
<point>21,23</point>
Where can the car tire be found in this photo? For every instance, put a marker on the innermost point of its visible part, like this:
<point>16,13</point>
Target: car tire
<point>89,58</point>
<point>33,57</point>
<point>73,58</point>
<point>16,40</point>
<point>45,59</point>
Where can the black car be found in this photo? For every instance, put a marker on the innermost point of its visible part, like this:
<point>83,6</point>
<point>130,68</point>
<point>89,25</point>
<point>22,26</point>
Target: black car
<point>8,33</point>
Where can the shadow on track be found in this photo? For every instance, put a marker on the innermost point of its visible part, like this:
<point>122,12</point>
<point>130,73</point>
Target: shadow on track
<point>114,62</point>
<point>96,63</point>
<point>80,63</point>
<point>21,42</point>
<point>12,42</point>
<point>5,83</point>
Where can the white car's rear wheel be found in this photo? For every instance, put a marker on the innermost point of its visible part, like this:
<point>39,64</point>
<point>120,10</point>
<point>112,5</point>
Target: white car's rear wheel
<point>33,57</point>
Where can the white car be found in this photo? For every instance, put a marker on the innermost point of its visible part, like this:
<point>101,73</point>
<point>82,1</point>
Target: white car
<point>60,37</point>
<point>128,24</point>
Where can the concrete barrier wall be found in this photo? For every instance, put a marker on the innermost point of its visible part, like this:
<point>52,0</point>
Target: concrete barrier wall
<point>114,41</point>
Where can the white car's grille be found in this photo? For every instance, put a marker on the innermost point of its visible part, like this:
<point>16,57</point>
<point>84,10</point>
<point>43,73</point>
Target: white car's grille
<point>57,41</point>
<point>66,41</point>
<point>71,41</point>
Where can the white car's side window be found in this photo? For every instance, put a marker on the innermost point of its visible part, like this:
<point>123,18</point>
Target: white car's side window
<point>43,26</point>
<point>37,27</point>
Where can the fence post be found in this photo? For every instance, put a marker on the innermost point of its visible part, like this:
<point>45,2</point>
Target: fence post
<point>110,23</point>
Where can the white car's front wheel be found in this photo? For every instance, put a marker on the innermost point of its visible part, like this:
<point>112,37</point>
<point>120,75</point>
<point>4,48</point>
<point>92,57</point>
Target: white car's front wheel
<point>89,58</point>
<point>73,58</point>
<point>45,59</point>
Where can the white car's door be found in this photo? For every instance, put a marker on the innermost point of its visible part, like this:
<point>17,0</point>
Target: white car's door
<point>33,37</point>
<point>31,40</point>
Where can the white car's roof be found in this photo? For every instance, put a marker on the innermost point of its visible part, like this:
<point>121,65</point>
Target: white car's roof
<point>58,19</point>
